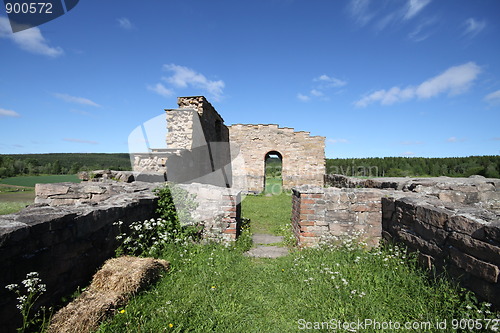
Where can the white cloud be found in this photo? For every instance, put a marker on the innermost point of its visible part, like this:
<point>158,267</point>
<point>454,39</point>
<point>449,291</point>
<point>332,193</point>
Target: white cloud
<point>493,98</point>
<point>454,139</point>
<point>184,77</point>
<point>473,27</point>
<point>77,100</point>
<point>337,141</point>
<point>414,7</point>
<point>30,40</point>
<point>455,80</point>
<point>8,113</point>
<point>334,82</point>
<point>303,98</point>
<point>160,89</point>
<point>316,93</point>
<point>323,83</point>
<point>125,23</point>
<point>81,141</point>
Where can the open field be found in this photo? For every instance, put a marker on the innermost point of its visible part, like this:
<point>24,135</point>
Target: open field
<point>30,181</point>
<point>18,192</point>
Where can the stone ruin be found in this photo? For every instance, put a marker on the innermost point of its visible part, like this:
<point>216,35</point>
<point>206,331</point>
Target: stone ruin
<point>68,233</point>
<point>202,149</point>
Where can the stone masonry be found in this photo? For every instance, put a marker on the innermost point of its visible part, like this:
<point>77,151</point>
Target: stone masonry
<point>303,155</point>
<point>202,149</point>
<point>454,223</point>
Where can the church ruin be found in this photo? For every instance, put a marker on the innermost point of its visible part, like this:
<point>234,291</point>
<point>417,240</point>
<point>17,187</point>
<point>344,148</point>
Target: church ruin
<point>202,149</point>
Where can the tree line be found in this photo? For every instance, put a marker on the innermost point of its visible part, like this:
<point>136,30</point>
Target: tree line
<point>60,164</point>
<point>487,166</point>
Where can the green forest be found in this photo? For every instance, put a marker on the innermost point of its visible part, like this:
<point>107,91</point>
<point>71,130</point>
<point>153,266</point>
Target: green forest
<point>487,166</point>
<point>60,164</point>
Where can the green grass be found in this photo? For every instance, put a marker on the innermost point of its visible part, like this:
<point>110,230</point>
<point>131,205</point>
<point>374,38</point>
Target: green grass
<point>268,214</point>
<point>273,185</point>
<point>30,181</point>
<point>214,288</point>
<point>12,207</point>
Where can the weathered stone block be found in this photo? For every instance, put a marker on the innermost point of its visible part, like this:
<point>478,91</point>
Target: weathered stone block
<point>46,190</point>
<point>467,226</point>
<point>475,247</point>
<point>432,215</point>
<point>430,232</point>
<point>420,244</point>
<point>484,270</point>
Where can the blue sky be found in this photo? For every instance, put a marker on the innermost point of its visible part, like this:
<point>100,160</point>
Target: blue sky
<point>376,78</point>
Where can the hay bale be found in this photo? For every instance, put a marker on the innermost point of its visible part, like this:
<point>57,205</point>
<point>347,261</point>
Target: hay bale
<point>111,288</point>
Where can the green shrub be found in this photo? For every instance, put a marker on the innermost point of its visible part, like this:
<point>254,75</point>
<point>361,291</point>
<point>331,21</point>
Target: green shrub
<point>174,224</point>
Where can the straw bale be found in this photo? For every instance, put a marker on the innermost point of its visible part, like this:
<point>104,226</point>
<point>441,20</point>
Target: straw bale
<point>111,288</point>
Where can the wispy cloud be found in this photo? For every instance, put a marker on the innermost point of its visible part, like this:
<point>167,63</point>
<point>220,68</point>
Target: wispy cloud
<point>423,30</point>
<point>160,89</point>
<point>414,7</point>
<point>364,12</point>
<point>125,23</point>
<point>454,139</point>
<point>360,11</point>
<point>303,98</point>
<point>9,113</point>
<point>330,81</point>
<point>184,77</point>
<point>496,139</point>
<point>77,100</point>
<point>321,87</point>
<point>454,81</point>
<point>30,40</point>
<point>493,98</point>
<point>473,27</point>
<point>334,141</point>
<point>81,141</point>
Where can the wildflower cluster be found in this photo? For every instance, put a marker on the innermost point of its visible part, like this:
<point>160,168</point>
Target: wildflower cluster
<point>175,224</point>
<point>350,241</point>
<point>33,289</point>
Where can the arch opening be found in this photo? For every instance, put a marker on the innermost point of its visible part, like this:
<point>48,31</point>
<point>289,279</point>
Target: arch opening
<point>273,173</point>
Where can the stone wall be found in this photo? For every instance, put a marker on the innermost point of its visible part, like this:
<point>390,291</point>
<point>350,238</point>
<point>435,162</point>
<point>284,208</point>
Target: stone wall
<point>319,213</point>
<point>427,215</point>
<point>66,244</point>
<point>463,240</point>
<point>69,232</point>
<point>219,211</point>
<point>198,146</point>
<point>303,155</point>
<point>475,190</point>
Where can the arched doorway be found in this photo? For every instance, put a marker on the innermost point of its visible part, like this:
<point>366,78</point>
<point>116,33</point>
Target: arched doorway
<point>273,177</point>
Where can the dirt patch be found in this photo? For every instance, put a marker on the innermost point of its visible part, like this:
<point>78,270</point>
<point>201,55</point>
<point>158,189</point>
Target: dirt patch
<point>111,288</point>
